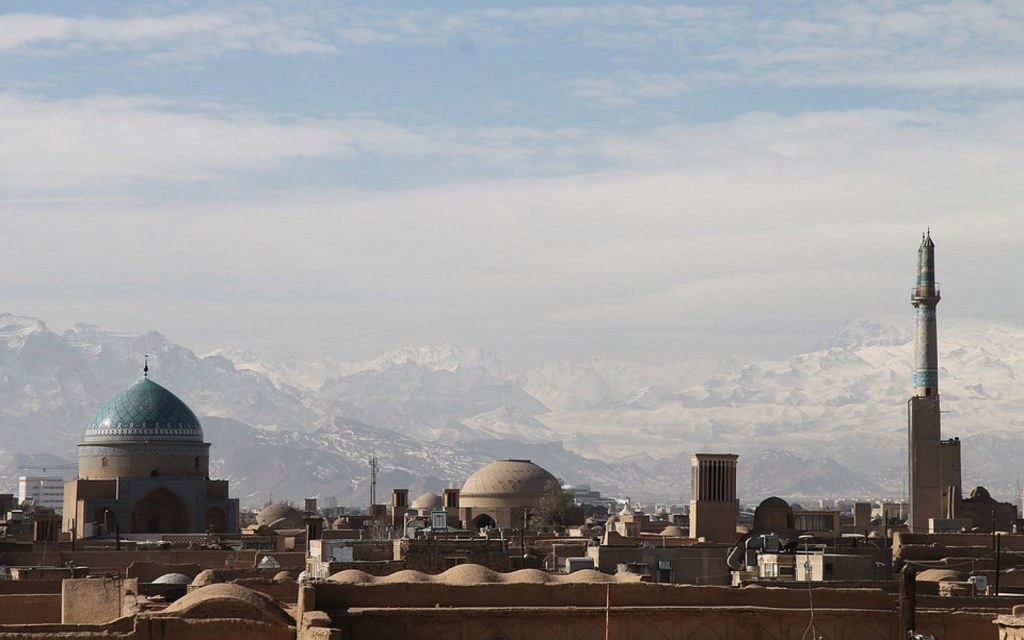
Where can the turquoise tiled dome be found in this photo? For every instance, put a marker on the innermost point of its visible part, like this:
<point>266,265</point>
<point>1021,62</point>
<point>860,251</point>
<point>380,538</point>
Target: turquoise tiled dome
<point>144,412</point>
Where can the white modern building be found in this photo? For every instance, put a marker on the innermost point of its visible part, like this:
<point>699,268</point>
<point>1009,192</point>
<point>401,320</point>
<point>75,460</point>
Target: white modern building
<point>44,491</point>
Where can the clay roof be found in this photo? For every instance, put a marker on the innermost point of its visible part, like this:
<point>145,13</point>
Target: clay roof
<point>474,574</point>
<point>352,576</point>
<point>674,531</point>
<point>284,516</point>
<point>509,477</point>
<point>173,578</point>
<point>207,577</point>
<point>939,575</point>
<point>228,601</point>
<point>469,574</point>
<point>428,501</point>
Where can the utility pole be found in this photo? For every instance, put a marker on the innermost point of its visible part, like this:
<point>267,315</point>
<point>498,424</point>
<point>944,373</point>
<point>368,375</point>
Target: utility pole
<point>907,601</point>
<point>373,481</point>
<point>999,547</point>
<point>522,537</point>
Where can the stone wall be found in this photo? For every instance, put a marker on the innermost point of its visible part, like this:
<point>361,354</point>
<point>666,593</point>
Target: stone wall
<point>152,628</point>
<point>11,587</point>
<point>639,610</point>
<point>118,561</point>
<point>96,600</point>
<point>437,555</point>
<point>29,609</point>
<point>641,623</point>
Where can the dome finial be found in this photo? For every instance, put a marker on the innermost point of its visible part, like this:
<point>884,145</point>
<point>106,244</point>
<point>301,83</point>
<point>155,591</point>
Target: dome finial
<point>145,366</point>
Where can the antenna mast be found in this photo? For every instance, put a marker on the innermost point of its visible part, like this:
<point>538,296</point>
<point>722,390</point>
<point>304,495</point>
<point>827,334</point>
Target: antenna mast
<point>373,480</point>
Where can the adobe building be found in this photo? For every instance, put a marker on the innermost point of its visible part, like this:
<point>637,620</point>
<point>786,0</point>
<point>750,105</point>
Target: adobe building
<point>478,603</point>
<point>714,508</point>
<point>500,493</point>
<point>143,468</point>
<point>934,463</point>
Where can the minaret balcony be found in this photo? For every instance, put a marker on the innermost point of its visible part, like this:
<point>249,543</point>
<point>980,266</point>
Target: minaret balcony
<point>920,294</point>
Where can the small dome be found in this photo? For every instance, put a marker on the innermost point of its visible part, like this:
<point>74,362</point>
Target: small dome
<point>207,577</point>
<point>774,502</point>
<point>231,601</point>
<point>939,575</point>
<point>173,578</point>
<point>674,531</point>
<point>428,501</point>
<point>280,516</point>
<point>511,483</point>
<point>144,412</point>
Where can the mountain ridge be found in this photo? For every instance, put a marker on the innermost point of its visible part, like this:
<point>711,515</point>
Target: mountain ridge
<point>842,401</point>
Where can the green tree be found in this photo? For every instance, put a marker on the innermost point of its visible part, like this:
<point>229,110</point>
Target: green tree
<point>558,511</point>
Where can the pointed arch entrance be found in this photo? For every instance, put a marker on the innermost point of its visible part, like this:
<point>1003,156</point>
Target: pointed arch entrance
<point>483,521</point>
<point>216,520</point>
<point>161,511</point>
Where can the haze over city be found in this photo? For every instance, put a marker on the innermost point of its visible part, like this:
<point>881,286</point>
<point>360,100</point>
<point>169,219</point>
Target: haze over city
<point>330,320</point>
<point>652,182</point>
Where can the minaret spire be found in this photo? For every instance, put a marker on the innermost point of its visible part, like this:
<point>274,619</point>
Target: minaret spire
<point>934,463</point>
<point>925,297</point>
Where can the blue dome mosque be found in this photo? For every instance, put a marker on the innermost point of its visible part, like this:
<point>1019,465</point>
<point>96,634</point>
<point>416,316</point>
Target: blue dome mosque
<point>143,468</point>
<point>144,411</point>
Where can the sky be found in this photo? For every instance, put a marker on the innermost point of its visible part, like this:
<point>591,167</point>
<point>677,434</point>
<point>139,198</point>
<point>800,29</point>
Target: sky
<point>646,181</point>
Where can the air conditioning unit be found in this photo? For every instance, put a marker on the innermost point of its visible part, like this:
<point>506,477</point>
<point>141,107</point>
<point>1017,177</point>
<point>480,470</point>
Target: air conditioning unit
<point>980,584</point>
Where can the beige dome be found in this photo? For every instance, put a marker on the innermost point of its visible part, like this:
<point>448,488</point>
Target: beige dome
<point>231,601</point>
<point>428,501</point>
<point>280,516</point>
<point>939,575</point>
<point>674,531</point>
<point>508,483</point>
<point>207,577</point>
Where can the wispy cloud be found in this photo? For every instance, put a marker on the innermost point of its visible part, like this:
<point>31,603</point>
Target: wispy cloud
<point>110,139</point>
<point>805,217</point>
<point>964,46</point>
<point>628,88</point>
<point>184,36</point>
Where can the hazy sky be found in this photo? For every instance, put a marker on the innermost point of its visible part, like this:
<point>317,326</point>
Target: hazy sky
<point>650,181</point>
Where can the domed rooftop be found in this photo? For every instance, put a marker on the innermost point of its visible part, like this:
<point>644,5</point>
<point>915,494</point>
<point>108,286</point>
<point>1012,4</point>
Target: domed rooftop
<point>674,531</point>
<point>509,484</point>
<point>144,412</point>
<point>428,501</point>
<point>280,516</point>
<point>173,578</point>
<point>503,477</point>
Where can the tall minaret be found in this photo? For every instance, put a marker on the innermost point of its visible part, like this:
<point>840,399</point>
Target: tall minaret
<point>934,463</point>
<point>924,298</point>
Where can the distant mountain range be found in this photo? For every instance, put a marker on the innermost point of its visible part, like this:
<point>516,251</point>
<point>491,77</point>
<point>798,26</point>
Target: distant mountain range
<point>827,422</point>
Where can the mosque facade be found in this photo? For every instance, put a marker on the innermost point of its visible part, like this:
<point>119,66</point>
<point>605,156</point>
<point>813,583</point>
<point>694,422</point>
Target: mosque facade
<point>143,468</point>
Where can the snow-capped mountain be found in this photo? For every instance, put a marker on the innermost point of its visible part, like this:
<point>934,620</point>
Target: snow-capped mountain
<point>430,387</point>
<point>830,420</point>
